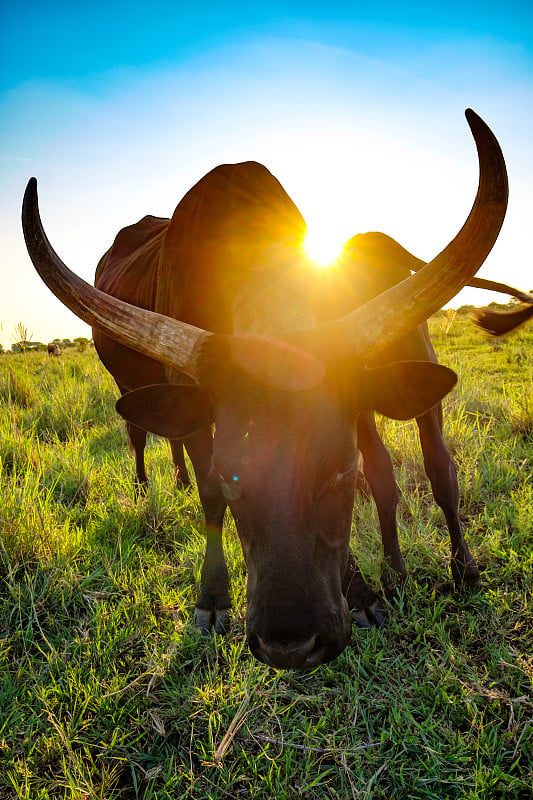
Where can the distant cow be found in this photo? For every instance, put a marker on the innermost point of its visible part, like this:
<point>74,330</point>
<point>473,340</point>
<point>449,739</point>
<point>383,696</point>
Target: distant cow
<point>53,349</point>
<point>218,332</point>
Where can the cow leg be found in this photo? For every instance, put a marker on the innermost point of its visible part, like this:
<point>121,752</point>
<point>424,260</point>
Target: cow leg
<point>442,473</point>
<point>213,605</point>
<point>181,475</point>
<point>364,604</point>
<point>380,476</point>
<point>137,443</point>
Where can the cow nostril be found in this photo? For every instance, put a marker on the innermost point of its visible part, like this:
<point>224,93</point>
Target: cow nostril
<point>316,655</point>
<point>288,655</point>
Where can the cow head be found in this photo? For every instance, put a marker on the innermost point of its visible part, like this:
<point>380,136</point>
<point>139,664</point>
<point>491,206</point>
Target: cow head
<point>284,415</point>
<point>288,465</point>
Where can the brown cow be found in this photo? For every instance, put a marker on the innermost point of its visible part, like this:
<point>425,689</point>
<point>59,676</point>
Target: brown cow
<point>53,349</point>
<point>230,329</point>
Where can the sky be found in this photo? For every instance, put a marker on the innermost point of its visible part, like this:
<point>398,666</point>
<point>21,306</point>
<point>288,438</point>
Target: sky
<point>118,108</point>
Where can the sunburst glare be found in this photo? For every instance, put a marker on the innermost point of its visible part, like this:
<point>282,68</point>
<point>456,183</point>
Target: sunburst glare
<point>323,247</point>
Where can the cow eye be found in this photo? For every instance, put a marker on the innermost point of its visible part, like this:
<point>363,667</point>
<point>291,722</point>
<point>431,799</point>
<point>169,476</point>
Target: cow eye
<point>341,476</point>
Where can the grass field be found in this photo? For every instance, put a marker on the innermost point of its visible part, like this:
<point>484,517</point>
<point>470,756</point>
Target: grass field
<point>107,692</point>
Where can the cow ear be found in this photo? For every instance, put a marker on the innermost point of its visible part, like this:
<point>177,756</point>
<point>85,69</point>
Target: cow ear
<point>166,409</point>
<point>405,389</point>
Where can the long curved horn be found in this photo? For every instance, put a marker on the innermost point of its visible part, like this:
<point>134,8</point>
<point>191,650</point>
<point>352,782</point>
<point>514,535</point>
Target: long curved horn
<point>176,344</point>
<point>163,338</point>
<point>416,264</point>
<point>374,326</point>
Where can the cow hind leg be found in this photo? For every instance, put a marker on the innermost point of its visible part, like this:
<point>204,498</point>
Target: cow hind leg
<point>442,473</point>
<point>137,444</point>
<point>181,475</point>
<point>380,477</point>
<point>213,606</point>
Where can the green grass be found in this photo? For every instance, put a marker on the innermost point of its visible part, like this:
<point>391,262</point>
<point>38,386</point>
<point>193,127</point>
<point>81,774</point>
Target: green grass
<point>107,692</point>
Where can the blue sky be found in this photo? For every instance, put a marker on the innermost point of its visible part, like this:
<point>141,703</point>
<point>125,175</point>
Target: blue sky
<point>118,108</point>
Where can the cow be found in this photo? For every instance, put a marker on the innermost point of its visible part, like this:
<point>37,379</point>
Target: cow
<point>231,346</point>
<point>53,349</point>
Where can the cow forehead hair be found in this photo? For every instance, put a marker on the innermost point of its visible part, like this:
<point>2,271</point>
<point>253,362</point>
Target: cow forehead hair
<point>271,313</point>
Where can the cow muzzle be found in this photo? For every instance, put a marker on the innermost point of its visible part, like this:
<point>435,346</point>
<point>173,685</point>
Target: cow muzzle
<point>285,646</point>
<point>294,655</point>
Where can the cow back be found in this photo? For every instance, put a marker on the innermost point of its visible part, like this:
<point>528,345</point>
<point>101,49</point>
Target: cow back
<point>221,242</point>
<point>128,270</point>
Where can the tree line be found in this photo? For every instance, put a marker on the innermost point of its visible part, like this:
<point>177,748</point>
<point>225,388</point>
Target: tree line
<point>26,345</point>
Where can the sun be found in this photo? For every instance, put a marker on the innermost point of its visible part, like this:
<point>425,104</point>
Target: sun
<point>323,247</point>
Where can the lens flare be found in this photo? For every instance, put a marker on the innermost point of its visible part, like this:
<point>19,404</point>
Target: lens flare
<point>323,247</point>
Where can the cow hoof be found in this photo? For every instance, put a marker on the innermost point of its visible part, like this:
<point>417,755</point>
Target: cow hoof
<point>373,616</point>
<point>465,575</point>
<point>222,620</point>
<point>140,488</point>
<point>202,621</point>
<point>363,602</point>
<point>395,568</point>
<point>393,577</point>
<point>206,620</point>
